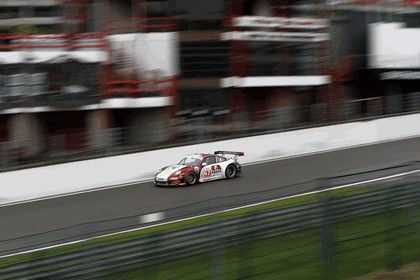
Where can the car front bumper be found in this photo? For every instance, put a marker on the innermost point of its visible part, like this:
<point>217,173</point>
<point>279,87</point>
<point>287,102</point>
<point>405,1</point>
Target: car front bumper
<point>171,181</point>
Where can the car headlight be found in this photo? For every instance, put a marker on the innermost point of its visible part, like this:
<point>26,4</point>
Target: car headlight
<point>157,172</point>
<point>177,173</point>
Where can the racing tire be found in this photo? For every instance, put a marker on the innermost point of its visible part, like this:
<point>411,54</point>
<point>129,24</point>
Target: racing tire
<point>230,171</point>
<point>191,178</point>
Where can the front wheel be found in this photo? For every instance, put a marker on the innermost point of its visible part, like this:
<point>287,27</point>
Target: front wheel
<point>191,178</point>
<point>230,171</point>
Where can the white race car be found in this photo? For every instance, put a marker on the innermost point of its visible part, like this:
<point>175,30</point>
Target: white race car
<point>200,168</point>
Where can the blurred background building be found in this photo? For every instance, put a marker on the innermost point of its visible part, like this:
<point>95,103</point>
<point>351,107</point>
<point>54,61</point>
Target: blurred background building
<point>79,76</point>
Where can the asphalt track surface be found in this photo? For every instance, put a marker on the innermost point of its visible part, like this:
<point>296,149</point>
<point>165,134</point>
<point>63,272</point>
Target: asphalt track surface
<point>22,224</point>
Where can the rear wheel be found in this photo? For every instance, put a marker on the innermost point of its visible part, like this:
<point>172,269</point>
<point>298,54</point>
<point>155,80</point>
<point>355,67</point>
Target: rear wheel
<point>230,171</point>
<point>191,178</point>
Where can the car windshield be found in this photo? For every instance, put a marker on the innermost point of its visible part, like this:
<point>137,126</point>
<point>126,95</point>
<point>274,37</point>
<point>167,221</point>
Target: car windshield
<point>194,161</point>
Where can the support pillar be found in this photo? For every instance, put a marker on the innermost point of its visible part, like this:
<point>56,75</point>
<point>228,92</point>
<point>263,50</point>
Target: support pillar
<point>26,135</point>
<point>97,122</point>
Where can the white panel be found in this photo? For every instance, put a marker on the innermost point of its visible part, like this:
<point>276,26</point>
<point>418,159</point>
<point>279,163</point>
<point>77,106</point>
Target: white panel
<point>393,46</point>
<point>12,57</point>
<point>144,102</point>
<point>230,82</point>
<point>158,52</point>
<point>42,3</point>
<point>275,81</point>
<point>89,56</point>
<point>275,36</point>
<point>279,22</point>
<point>42,56</point>
<point>153,54</point>
<point>112,103</point>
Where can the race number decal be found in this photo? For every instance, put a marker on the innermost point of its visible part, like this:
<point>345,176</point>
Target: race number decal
<point>211,172</point>
<point>207,173</point>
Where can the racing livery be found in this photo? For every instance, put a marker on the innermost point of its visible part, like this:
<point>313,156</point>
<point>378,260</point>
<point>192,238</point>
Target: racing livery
<point>200,168</point>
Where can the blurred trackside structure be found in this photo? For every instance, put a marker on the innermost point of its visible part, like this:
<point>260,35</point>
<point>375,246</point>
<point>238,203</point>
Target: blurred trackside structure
<point>380,38</point>
<point>279,58</point>
<point>138,56</point>
<point>66,71</point>
<point>86,75</point>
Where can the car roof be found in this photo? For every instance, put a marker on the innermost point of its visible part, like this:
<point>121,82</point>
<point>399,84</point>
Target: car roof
<point>201,155</point>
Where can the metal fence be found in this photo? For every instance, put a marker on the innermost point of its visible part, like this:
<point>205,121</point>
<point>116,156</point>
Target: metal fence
<point>318,233</point>
<point>196,127</point>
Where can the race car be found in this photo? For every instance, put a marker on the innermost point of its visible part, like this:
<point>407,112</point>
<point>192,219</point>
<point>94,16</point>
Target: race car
<point>200,168</point>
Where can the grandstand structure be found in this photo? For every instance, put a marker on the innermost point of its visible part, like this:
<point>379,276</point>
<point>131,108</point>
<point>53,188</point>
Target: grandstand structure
<point>279,58</point>
<point>71,71</point>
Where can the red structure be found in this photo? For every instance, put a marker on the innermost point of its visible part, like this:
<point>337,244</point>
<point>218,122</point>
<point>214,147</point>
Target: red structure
<point>129,83</point>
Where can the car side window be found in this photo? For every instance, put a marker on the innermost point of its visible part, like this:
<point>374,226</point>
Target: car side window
<point>220,159</point>
<point>210,160</point>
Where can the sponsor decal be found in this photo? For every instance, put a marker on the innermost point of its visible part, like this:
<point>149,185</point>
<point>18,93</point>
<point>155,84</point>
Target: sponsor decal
<point>216,168</point>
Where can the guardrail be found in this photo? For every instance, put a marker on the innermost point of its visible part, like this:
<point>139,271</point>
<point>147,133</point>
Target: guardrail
<point>136,24</point>
<point>324,212</point>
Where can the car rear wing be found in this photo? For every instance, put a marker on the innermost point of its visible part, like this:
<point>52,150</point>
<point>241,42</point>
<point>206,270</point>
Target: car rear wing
<point>229,153</point>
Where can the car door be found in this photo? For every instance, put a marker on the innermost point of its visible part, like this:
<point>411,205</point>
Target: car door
<point>210,169</point>
<point>222,163</point>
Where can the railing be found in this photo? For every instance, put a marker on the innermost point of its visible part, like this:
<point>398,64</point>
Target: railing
<point>315,224</point>
<point>194,24</point>
<point>51,41</point>
<point>157,87</point>
<point>137,24</point>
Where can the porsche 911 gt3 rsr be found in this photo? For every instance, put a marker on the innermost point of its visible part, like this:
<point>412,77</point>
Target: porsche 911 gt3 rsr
<point>200,168</point>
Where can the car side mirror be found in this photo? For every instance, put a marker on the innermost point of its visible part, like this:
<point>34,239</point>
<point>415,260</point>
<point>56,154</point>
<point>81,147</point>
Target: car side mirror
<point>204,164</point>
